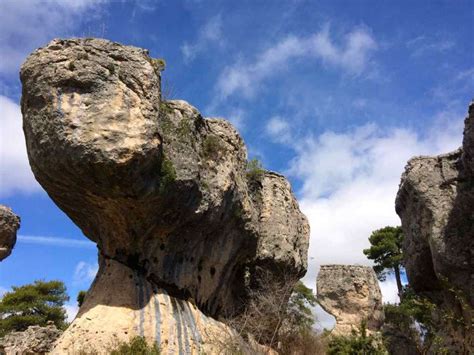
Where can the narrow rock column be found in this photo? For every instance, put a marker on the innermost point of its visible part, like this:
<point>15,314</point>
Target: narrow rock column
<point>9,225</point>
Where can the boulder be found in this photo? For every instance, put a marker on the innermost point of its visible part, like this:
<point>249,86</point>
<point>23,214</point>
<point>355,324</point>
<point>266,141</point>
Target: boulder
<point>35,340</point>
<point>435,202</point>
<point>165,193</point>
<point>9,225</point>
<point>350,293</point>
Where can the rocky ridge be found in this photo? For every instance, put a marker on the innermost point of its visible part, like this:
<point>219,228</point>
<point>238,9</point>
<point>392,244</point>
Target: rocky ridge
<point>35,340</point>
<point>9,225</point>
<point>351,294</point>
<point>435,202</point>
<point>178,218</point>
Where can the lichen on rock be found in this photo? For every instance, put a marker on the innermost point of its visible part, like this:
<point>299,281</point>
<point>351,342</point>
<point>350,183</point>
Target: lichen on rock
<point>351,294</point>
<point>160,189</point>
<point>435,202</point>
<point>9,225</point>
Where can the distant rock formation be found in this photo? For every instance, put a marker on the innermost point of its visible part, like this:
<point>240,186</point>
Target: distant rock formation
<point>35,340</point>
<point>351,294</point>
<point>9,225</point>
<point>183,227</point>
<point>435,202</point>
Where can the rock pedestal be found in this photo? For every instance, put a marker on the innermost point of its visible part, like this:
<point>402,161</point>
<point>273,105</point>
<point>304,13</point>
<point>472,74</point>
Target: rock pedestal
<point>435,202</point>
<point>165,193</point>
<point>351,294</point>
<point>9,225</point>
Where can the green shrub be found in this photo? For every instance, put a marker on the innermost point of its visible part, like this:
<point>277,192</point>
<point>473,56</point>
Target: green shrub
<point>167,175</point>
<point>136,346</point>
<point>212,147</point>
<point>255,170</point>
<point>80,298</point>
<point>358,343</point>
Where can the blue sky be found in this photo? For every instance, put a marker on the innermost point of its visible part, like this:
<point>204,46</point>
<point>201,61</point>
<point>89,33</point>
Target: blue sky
<point>337,95</point>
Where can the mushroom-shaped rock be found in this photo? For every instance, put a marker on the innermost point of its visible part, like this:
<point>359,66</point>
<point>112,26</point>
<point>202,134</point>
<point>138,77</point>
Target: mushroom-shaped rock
<point>165,193</point>
<point>9,224</point>
<point>435,202</point>
<point>351,293</point>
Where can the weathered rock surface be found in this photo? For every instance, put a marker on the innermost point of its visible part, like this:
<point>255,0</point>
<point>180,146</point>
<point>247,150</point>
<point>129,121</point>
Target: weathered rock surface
<point>435,202</point>
<point>35,340</point>
<point>350,293</point>
<point>9,224</point>
<point>161,190</point>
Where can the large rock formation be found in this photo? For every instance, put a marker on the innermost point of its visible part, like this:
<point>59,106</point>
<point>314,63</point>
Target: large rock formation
<point>183,228</point>
<point>436,205</point>
<point>351,293</point>
<point>35,340</point>
<point>9,224</point>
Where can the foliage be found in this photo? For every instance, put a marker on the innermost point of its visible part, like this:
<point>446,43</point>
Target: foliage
<point>80,298</point>
<point>299,311</point>
<point>212,147</point>
<point>386,251</point>
<point>158,64</point>
<point>255,170</point>
<point>167,175</point>
<point>358,343</point>
<point>33,304</point>
<point>136,346</point>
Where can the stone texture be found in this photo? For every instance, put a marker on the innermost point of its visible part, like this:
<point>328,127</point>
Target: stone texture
<point>35,340</point>
<point>9,225</point>
<point>351,293</point>
<point>160,189</point>
<point>435,202</point>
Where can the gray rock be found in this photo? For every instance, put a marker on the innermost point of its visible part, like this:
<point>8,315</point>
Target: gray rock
<point>351,293</point>
<point>158,187</point>
<point>435,202</point>
<point>35,340</point>
<point>9,224</point>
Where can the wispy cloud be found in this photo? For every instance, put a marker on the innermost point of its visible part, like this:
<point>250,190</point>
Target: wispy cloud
<point>84,273</point>
<point>28,24</point>
<point>422,45</point>
<point>210,34</point>
<point>353,56</point>
<point>56,241</point>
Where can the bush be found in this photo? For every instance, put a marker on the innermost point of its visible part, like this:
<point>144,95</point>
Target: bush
<point>255,170</point>
<point>212,147</point>
<point>80,298</point>
<point>136,346</point>
<point>33,304</point>
<point>358,343</point>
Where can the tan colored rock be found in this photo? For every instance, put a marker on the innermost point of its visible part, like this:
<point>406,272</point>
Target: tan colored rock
<point>159,188</point>
<point>435,202</point>
<point>350,293</point>
<point>35,340</point>
<point>9,225</point>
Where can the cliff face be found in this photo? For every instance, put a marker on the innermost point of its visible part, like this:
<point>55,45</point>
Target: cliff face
<point>435,202</point>
<point>164,192</point>
<point>351,294</point>
<point>9,225</point>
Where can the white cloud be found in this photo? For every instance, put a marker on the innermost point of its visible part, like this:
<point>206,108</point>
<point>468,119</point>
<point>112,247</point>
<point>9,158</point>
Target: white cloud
<point>210,33</point>
<point>71,311</point>
<point>353,56</point>
<point>278,129</point>
<point>424,45</point>
<point>27,24</point>
<point>84,273</point>
<point>350,181</point>
<point>389,290</point>
<point>56,241</point>
<point>15,172</point>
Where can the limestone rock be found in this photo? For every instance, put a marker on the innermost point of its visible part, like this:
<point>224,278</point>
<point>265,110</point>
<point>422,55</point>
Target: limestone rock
<point>35,340</point>
<point>9,224</point>
<point>435,202</point>
<point>350,293</point>
<point>160,189</point>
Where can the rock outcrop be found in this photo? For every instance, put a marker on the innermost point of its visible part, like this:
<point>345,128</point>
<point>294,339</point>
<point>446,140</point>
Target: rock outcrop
<point>35,340</point>
<point>435,202</point>
<point>183,228</point>
<point>9,225</point>
<point>351,294</point>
